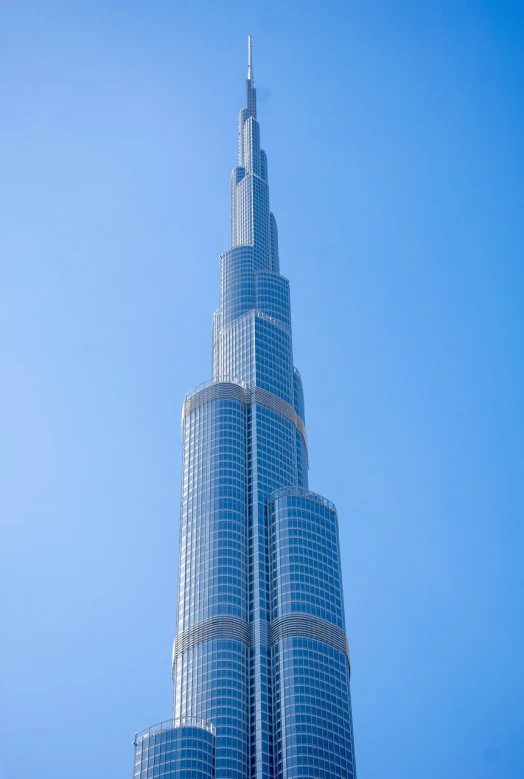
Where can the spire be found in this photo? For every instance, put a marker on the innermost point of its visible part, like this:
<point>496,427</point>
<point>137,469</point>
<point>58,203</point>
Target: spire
<point>251,93</point>
<point>250,59</point>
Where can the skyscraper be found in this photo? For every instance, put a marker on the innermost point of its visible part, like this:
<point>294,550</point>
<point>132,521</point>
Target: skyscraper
<point>260,659</point>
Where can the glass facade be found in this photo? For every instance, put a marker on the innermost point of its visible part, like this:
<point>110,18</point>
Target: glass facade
<point>310,661</point>
<point>260,649</point>
<point>175,750</point>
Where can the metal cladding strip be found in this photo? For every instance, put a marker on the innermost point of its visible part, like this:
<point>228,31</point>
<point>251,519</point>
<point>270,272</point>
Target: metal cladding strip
<point>301,492</point>
<point>310,627</point>
<point>219,391</point>
<point>229,391</point>
<point>235,629</point>
<point>267,399</point>
<point>230,628</point>
<point>223,390</point>
<point>255,312</point>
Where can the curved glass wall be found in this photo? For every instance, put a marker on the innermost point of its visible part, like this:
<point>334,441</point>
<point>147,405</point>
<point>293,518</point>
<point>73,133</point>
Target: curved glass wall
<point>210,656</point>
<point>310,661</point>
<point>168,751</point>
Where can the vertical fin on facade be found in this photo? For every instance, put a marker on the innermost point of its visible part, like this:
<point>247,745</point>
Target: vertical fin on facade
<point>252,146</point>
<point>275,262</point>
<point>242,116</point>
<point>263,165</point>
<point>298,394</point>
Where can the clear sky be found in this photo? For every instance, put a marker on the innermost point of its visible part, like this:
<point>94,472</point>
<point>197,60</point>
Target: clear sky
<point>394,138</point>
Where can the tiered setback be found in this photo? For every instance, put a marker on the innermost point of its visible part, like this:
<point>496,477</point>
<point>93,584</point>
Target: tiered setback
<point>309,654</point>
<point>261,648</point>
<point>175,750</point>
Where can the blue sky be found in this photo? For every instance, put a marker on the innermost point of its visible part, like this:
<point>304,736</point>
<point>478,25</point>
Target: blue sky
<point>394,140</point>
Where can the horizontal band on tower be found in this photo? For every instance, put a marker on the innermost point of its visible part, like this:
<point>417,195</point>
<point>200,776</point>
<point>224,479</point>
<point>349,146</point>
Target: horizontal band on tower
<point>227,390</point>
<point>302,492</point>
<point>305,625</point>
<point>234,629</point>
<point>223,627</point>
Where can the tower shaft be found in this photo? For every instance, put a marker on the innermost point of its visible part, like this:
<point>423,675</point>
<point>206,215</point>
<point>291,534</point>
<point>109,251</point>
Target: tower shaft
<point>260,651</point>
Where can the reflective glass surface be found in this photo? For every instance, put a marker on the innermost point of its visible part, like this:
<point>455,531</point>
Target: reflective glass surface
<point>175,753</point>
<point>310,660</point>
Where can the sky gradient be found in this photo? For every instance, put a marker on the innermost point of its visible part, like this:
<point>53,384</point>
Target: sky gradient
<point>394,141</point>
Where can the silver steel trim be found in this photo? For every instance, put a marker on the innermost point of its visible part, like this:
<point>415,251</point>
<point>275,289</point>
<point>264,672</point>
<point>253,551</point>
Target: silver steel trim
<point>233,389</point>
<point>209,629</point>
<point>301,492</point>
<point>173,724</point>
<point>283,627</point>
<point>309,626</point>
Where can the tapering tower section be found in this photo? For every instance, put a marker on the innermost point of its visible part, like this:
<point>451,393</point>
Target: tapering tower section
<point>260,657</point>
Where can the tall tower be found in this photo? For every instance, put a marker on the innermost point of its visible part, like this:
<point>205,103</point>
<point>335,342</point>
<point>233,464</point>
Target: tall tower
<point>260,659</point>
